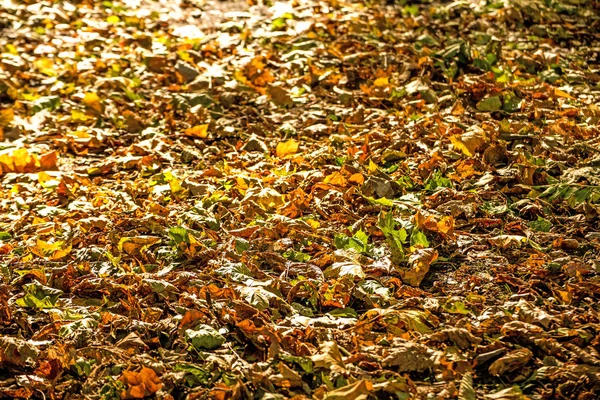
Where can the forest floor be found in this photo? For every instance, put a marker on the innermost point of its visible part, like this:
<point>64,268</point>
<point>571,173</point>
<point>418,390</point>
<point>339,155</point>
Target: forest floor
<point>306,199</point>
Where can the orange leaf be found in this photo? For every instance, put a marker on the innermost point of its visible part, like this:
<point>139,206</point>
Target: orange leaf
<point>199,131</point>
<point>140,384</point>
<point>6,117</point>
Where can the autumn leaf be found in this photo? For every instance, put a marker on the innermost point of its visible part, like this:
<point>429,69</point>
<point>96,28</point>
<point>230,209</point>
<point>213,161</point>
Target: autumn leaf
<point>6,117</point>
<point>280,96</point>
<point>358,390</point>
<point>137,244</point>
<point>198,131</point>
<point>469,142</point>
<point>51,251</point>
<point>140,384</point>
<point>329,357</point>
<point>419,262</point>
<point>287,148</point>
<point>92,101</point>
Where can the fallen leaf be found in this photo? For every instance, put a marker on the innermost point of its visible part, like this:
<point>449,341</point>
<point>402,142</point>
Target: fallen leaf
<point>140,384</point>
<point>358,390</point>
<point>198,131</point>
<point>286,148</point>
<point>93,102</point>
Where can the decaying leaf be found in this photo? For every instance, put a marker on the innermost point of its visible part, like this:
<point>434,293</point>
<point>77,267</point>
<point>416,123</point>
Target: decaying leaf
<point>511,362</point>
<point>328,357</point>
<point>418,266</point>
<point>299,199</point>
<point>358,390</point>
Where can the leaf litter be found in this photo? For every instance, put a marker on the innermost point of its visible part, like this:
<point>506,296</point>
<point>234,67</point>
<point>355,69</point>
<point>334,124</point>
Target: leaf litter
<point>333,199</point>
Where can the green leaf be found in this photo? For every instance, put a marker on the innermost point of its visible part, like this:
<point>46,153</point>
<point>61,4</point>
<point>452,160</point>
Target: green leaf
<point>49,103</point>
<point>511,102</point>
<point>179,234</point>
<point>346,312</point>
<point>5,236</point>
<point>236,271</point>
<point>241,245</point>
<point>394,237</point>
<point>195,375</point>
<point>541,225</point>
<point>437,180</point>
<point>204,337</point>
<point>358,242</point>
<point>490,104</point>
<point>39,296</point>
<point>418,238</point>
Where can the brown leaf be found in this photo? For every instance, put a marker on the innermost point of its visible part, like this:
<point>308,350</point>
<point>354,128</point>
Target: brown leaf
<point>419,262</point>
<point>329,357</point>
<point>510,362</point>
<point>358,390</point>
<point>280,96</point>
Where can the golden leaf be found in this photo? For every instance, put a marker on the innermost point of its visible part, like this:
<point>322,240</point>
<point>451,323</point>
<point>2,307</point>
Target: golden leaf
<point>468,142</point>
<point>335,179</point>
<point>380,82</point>
<point>419,262</point>
<point>92,101</point>
<point>134,245</point>
<point>51,251</point>
<point>6,117</point>
<point>198,131</point>
<point>287,148</point>
<point>358,390</point>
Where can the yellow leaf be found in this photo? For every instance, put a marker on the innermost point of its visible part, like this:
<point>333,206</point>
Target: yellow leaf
<point>45,66</point>
<point>113,19</point>
<point>6,117</point>
<point>51,251</point>
<point>335,179</point>
<point>468,142</point>
<point>23,161</point>
<point>379,82</point>
<point>269,199</point>
<point>92,101</point>
<point>135,245</point>
<point>372,166</point>
<point>47,181</point>
<point>560,93</point>
<point>313,223</point>
<point>199,131</point>
<point>242,185</point>
<point>286,148</point>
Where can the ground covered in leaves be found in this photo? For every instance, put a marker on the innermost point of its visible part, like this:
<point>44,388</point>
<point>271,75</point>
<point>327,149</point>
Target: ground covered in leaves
<point>329,200</point>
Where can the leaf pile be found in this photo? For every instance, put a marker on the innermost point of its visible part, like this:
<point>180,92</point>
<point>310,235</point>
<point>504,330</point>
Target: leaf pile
<point>298,199</point>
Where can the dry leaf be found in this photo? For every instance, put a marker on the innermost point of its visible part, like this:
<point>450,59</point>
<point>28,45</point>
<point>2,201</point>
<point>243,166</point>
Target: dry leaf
<point>287,148</point>
<point>513,361</point>
<point>358,390</point>
<point>419,262</point>
<point>140,384</point>
<point>198,131</point>
<point>93,102</point>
